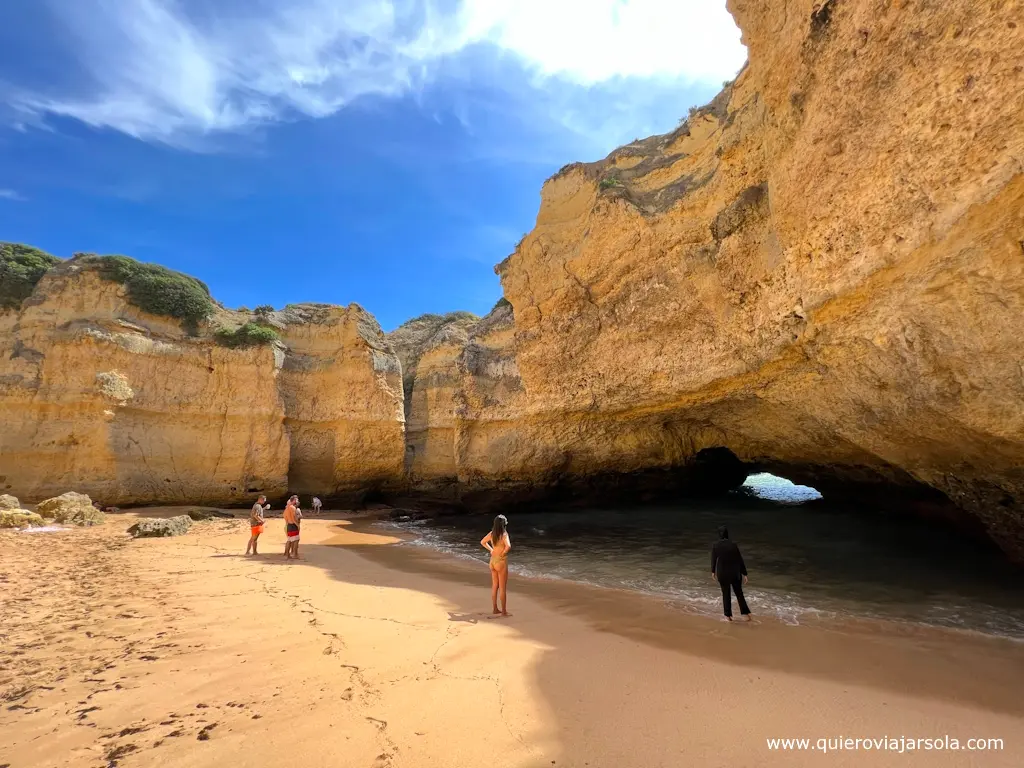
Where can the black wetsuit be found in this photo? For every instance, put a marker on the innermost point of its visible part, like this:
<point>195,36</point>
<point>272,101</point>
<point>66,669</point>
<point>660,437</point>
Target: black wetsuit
<point>727,565</point>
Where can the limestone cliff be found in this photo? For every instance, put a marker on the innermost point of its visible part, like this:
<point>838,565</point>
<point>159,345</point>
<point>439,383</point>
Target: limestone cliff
<point>821,271</point>
<point>99,396</point>
<point>445,368</point>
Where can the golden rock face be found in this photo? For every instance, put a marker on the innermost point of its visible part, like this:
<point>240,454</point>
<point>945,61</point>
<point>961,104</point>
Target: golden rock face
<point>100,397</point>
<point>822,271</point>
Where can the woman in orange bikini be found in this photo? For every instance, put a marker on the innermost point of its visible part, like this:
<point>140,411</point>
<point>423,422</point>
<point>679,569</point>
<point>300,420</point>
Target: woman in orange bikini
<point>498,544</point>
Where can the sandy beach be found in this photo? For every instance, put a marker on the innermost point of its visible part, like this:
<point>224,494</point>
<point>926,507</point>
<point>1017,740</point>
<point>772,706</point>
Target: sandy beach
<point>184,652</point>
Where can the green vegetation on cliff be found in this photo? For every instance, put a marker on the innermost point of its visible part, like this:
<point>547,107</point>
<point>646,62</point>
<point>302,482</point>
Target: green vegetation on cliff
<point>21,267</point>
<point>156,289</point>
<point>248,335</point>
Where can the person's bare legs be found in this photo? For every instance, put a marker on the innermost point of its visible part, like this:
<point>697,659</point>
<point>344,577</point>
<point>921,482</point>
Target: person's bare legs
<point>503,585</point>
<point>251,545</point>
<point>255,539</point>
<point>494,591</point>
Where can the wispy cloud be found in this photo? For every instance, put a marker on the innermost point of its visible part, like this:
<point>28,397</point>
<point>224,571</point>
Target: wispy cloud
<point>10,194</point>
<point>171,71</point>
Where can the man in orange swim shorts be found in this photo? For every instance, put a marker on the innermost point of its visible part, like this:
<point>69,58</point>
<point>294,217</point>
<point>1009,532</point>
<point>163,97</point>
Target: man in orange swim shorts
<point>256,523</point>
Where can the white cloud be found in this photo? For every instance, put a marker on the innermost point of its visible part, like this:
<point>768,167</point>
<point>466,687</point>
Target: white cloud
<point>152,70</point>
<point>591,41</point>
<point>10,194</point>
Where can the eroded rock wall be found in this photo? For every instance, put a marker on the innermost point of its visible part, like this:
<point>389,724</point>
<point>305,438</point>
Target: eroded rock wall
<point>341,388</point>
<point>822,271</point>
<point>98,396</point>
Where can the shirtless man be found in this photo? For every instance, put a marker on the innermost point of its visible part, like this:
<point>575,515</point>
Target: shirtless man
<point>292,516</point>
<point>256,521</point>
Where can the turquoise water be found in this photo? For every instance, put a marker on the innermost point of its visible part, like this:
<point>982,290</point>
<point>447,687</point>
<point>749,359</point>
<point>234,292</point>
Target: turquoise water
<point>804,560</point>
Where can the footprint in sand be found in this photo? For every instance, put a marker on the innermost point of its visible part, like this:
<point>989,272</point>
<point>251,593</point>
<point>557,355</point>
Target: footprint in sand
<point>133,729</point>
<point>118,752</point>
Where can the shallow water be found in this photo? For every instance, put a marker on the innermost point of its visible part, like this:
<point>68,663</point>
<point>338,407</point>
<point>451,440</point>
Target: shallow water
<point>804,560</point>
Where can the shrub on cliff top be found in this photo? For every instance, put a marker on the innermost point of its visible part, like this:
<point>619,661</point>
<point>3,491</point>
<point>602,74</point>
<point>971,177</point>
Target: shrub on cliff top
<point>21,267</point>
<point>158,290</point>
<point>249,335</point>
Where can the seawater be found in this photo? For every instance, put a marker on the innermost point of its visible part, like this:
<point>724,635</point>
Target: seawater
<point>805,560</point>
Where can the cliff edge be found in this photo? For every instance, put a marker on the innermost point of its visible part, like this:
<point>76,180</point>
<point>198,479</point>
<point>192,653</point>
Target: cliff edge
<point>133,407</point>
<point>821,272</point>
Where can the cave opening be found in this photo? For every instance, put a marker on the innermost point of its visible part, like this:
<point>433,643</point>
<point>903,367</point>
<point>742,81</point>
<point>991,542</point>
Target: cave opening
<point>770,487</point>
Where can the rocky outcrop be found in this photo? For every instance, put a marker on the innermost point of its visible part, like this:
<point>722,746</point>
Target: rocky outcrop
<point>149,528</point>
<point>71,509</point>
<point>9,502</point>
<point>821,272</point>
<point>428,347</point>
<point>19,518</point>
<point>135,408</point>
<point>340,387</point>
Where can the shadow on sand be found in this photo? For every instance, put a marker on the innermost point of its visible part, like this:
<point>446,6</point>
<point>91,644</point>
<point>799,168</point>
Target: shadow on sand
<point>960,668</point>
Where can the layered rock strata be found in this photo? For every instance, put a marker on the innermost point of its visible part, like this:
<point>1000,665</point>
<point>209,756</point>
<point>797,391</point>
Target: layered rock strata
<point>822,271</point>
<point>99,396</point>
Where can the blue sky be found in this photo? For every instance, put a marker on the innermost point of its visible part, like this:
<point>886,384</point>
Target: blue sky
<point>387,152</point>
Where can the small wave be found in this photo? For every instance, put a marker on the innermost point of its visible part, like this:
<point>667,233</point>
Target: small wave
<point>44,529</point>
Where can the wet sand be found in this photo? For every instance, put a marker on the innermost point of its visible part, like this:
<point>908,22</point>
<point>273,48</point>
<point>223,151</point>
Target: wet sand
<point>183,652</point>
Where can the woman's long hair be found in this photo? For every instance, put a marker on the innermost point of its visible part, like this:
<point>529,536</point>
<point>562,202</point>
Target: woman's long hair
<point>498,530</point>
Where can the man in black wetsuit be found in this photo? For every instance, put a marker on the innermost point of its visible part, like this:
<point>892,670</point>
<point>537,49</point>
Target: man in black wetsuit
<point>728,569</point>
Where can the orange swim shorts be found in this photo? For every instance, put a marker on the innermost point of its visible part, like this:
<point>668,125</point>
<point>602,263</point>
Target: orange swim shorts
<point>257,530</point>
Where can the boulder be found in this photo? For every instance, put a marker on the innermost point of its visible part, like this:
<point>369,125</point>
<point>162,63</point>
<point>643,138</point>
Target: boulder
<point>9,502</point>
<point>153,527</point>
<point>18,518</point>
<point>71,509</point>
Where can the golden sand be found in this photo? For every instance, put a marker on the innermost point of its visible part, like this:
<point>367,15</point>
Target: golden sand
<point>184,652</point>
